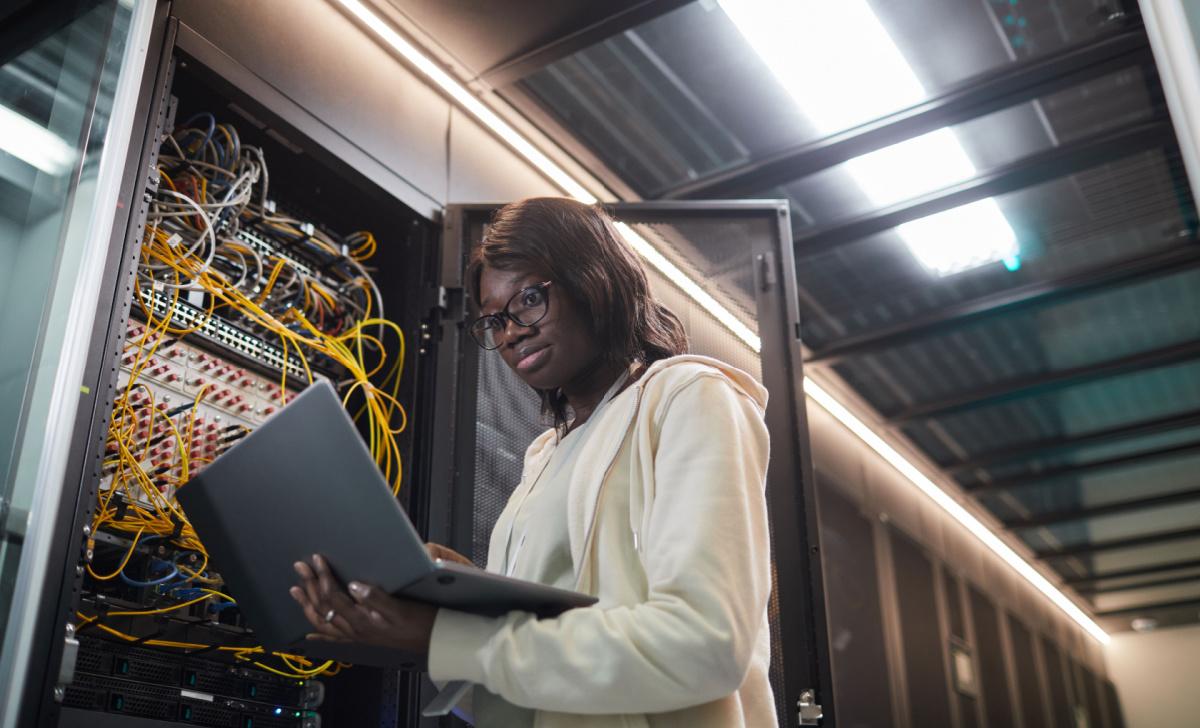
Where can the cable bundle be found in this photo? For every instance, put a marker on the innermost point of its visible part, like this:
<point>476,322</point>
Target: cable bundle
<point>212,232</point>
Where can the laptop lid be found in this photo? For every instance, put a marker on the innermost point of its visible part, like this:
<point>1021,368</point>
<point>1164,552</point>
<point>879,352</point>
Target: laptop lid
<point>304,477</point>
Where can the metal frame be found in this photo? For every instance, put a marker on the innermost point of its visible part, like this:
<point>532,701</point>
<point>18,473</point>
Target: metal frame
<point>798,558</point>
<point>1095,547</point>
<point>1189,418</point>
<point>1051,164</point>
<point>1137,571</point>
<point>998,89</point>
<point>1180,604</point>
<point>85,449</point>
<point>391,690</point>
<point>1042,477</point>
<point>1175,259</point>
<point>1080,514</point>
<point>513,70</point>
<point>1046,382</point>
<point>1088,591</point>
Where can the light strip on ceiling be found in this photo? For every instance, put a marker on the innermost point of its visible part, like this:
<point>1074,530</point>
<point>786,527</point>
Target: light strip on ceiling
<point>697,293</point>
<point>33,143</point>
<point>840,66</point>
<point>468,101</point>
<point>556,174</point>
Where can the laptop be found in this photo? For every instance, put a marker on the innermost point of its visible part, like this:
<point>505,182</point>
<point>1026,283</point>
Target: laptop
<point>304,482</point>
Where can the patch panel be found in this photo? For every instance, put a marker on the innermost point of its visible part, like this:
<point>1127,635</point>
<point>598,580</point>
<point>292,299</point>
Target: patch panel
<point>188,400</point>
<point>223,334</point>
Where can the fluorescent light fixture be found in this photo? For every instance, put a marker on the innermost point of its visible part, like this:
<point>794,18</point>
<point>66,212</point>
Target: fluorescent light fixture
<point>726,318</point>
<point>842,68</point>
<point>953,507</point>
<point>33,143</point>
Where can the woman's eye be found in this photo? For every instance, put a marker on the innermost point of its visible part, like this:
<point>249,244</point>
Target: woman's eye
<point>531,299</point>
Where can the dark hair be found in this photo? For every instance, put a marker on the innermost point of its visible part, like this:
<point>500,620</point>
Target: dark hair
<point>579,248</point>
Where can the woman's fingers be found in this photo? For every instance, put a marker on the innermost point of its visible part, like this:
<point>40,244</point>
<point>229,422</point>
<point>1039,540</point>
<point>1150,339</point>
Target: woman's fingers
<point>371,597</point>
<point>438,551</point>
<point>326,606</point>
<point>308,581</point>
<point>327,584</point>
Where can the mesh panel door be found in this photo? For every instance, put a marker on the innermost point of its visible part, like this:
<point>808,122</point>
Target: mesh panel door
<point>734,251</point>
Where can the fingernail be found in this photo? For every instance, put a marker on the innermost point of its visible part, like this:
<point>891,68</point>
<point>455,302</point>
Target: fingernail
<point>299,567</point>
<point>316,559</point>
<point>356,588</point>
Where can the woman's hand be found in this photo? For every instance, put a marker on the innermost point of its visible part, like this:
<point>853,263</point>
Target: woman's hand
<point>366,614</point>
<point>437,551</point>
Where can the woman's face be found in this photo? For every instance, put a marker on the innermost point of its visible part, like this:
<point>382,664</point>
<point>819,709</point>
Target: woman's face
<point>553,352</point>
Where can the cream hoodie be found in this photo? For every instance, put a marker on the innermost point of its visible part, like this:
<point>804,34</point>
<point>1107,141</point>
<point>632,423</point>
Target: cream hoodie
<point>681,567</point>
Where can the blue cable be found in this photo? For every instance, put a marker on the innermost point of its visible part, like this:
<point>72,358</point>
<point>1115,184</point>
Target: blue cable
<point>153,582</point>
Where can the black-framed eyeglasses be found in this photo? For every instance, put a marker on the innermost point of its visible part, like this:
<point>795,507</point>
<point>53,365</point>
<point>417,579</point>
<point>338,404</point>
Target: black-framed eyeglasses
<point>526,307</point>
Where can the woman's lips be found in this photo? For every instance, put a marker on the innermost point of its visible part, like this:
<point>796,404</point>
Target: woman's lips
<point>533,359</point>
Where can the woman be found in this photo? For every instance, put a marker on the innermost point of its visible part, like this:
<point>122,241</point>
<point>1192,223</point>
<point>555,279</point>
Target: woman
<point>647,493</point>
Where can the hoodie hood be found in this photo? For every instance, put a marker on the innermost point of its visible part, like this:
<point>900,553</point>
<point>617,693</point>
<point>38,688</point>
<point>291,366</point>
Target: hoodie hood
<point>742,381</point>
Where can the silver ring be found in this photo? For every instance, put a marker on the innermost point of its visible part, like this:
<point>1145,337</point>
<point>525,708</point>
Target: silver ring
<point>330,615</point>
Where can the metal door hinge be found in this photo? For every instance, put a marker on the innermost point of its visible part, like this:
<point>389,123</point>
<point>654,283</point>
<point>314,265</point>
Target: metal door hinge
<point>66,668</point>
<point>810,712</point>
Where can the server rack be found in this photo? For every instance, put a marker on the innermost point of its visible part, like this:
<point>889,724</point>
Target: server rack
<point>740,249</point>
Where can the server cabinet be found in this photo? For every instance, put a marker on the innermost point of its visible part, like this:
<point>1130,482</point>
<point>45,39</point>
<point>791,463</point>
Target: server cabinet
<point>739,254</point>
<point>470,419</point>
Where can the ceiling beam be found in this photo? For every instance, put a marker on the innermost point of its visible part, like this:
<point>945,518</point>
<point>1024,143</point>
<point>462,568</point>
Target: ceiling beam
<point>1046,382</point>
<point>1108,509</point>
<point>1136,571</point>
<point>1042,477</point>
<point>1007,86</point>
<point>1050,164</point>
<point>1175,259</point>
<point>1149,607</point>
<point>1049,446</point>
<point>1169,581</point>
<point>512,70</point>
<point>1095,547</point>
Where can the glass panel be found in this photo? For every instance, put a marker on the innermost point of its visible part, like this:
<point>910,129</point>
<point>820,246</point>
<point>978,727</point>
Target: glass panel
<point>55,100</point>
<point>1114,527</point>
<point>1147,449</point>
<point>1101,488</point>
<point>1132,558</point>
<point>686,94</point>
<point>1128,583</point>
<point>1085,408</point>
<point>1155,595</point>
<point>1115,485</point>
<point>1116,212</point>
<point>990,141</point>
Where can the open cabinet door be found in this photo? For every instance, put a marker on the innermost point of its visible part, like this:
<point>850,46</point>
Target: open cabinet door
<point>726,269</point>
